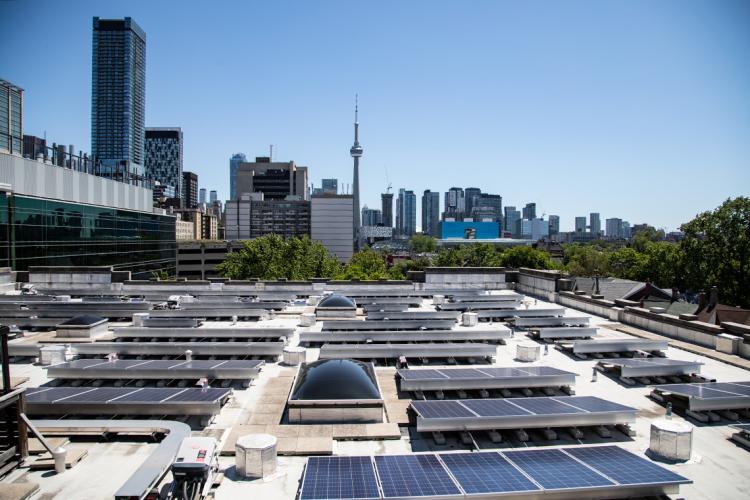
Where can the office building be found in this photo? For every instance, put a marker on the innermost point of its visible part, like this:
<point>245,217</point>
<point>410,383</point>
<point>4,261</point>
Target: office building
<point>539,229</point>
<point>330,186</point>
<point>487,206</point>
<point>595,224</point>
<point>213,197</point>
<point>51,216</point>
<point>371,217</point>
<point>11,118</point>
<point>455,204</point>
<point>470,198</point>
<point>529,211</point>
<point>510,221</point>
<point>431,213</point>
<point>252,216</point>
<point>406,213</point>
<point>613,228</point>
<point>118,102</point>
<point>276,180</point>
<point>469,230</point>
<point>163,156</point>
<point>234,163</point>
<point>386,200</point>
<point>331,224</point>
<point>202,196</point>
<point>554,225</point>
<point>189,190</point>
<point>580,226</point>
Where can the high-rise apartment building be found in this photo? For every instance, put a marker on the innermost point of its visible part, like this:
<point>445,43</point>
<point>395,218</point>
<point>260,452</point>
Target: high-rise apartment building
<point>189,190</point>
<point>406,213</point>
<point>11,118</point>
<point>234,163</point>
<point>331,186</point>
<point>252,216</point>
<point>455,204</point>
<point>580,226</point>
<point>613,228</point>
<point>276,180</point>
<point>371,216</point>
<point>163,158</point>
<point>554,225</point>
<point>595,224</point>
<point>431,213</point>
<point>118,98</point>
<point>509,222</point>
<point>202,196</point>
<point>529,211</point>
<point>386,200</point>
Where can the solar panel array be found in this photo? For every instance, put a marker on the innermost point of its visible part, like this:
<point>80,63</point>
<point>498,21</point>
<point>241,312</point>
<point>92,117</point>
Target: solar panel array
<point>710,390</point>
<point>158,364</point>
<point>484,473</point>
<point>480,373</point>
<point>108,395</point>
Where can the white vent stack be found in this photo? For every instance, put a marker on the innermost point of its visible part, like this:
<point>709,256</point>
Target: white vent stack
<point>671,439</point>
<point>294,355</point>
<point>469,319</point>
<point>138,318</point>
<point>52,355</point>
<point>307,319</point>
<point>255,455</point>
<point>438,300</point>
<point>527,352</point>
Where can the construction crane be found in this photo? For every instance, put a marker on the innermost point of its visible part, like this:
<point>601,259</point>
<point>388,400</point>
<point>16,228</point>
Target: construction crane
<point>388,182</point>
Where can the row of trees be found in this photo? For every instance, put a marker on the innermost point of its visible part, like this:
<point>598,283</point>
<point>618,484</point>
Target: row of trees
<point>714,252</point>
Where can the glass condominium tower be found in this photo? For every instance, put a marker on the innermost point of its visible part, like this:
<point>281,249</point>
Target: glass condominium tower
<point>118,98</point>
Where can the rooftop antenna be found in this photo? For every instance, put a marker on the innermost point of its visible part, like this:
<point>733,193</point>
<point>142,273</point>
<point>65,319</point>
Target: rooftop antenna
<point>271,156</point>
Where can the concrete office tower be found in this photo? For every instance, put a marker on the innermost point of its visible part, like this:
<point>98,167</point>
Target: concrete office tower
<point>431,213</point>
<point>356,152</point>
<point>455,204</point>
<point>509,223</point>
<point>529,211</point>
<point>234,163</point>
<point>386,200</point>
<point>330,186</point>
<point>406,213</point>
<point>276,180</point>
<point>470,196</point>
<point>371,216</point>
<point>595,223</point>
<point>189,190</point>
<point>554,225</point>
<point>580,225</point>
<point>202,196</point>
<point>331,224</point>
<point>11,118</point>
<point>118,97</point>
<point>163,160</point>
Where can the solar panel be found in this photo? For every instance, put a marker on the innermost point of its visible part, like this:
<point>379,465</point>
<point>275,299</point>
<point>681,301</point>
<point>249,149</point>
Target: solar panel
<point>730,387</point>
<point>339,477</point>
<point>50,395</point>
<point>503,372</point>
<point>545,406</point>
<point>441,409</point>
<point>591,403</point>
<point>695,390</point>
<point>543,370</point>
<point>100,395</point>
<point>420,374</point>
<point>486,473</point>
<point>553,469</point>
<point>494,407</point>
<point>414,476</point>
<point>198,395</point>
<point>463,373</point>
<point>149,395</point>
<point>623,466</point>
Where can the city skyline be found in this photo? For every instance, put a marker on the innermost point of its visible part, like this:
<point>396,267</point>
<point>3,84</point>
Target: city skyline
<point>676,133</point>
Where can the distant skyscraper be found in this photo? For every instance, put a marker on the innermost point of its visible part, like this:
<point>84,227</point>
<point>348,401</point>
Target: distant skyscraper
<point>595,223</point>
<point>118,102</point>
<point>455,204</point>
<point>509,222</point>
<point>529,211</point>
<point>371,216</point>
<point>431,213</point>
<point>356,152</point>
<point>189,190</point>
<point>580,224</point>
<point>406,213</point>
<point>487,206</point>
<point>470,195</point>
<point>213,196</point>
<point>202,196</point>
<point>554,225</point>
<point>387,208</point>
<point>11,117</point>
<point>331,186</point>
<point>276,180</point>
<point>163,160</point>
<point>234,163</point>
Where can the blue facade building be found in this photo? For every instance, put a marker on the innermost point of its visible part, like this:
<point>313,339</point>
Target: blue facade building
<point>469,230</point>
<point>234,163</point>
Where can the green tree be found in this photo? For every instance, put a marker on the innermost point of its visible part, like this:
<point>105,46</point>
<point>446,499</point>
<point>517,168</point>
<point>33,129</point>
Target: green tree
<point>716,251</point>
<point>585,260</point>
<point>626,263</point>
<point>366,264</point>
<point>473,255</point>
<point>422,243</point>
<point>524,256</point>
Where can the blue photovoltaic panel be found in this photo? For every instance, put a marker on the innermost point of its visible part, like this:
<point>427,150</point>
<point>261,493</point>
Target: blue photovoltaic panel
<point>454,373</point>
<point>338,478</point>
<point>494,407</point>
<point>742,427</point>
<point>592,403</point>
<point>740,389</point>
<point>441,409</point>
<point>623,466</point>
<point>414,476</point>
<point>420,374</point>
<point>199,395</point>
<point>553,469</point>
<point>694,390</point>
<point>747,384</point>
<point>544,406</point>
<point>503,372</point>
<point>50,395</point>
<point>100,395</point>
<point>544,370</point>
<point>486,473</point>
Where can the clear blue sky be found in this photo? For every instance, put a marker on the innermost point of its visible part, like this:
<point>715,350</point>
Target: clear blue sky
<point>635,109</point>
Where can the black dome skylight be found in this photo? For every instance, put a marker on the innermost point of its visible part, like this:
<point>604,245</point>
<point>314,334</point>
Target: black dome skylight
<point>336,379</point>
<point>336,300</point>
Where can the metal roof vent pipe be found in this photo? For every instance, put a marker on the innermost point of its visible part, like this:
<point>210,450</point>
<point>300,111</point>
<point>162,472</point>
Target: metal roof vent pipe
<point>58,454</point>
<point>188,355</point>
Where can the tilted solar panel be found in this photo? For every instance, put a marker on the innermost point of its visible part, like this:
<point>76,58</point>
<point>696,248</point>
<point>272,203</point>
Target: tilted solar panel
<point>544,406</point>
<point>553,469</point>
<point>623,466</point>
<point>592,403</point>
<point>420,374</point>
<point>494,407</point>
<point>455,373</point>
<point>503,372</point>
<point>695,390</point>
<point>414,476</point>
<point>441,409</point>
<point>486,473</point>
<point>731,388</point>
<point>329,478</point>
<point>543,370</point>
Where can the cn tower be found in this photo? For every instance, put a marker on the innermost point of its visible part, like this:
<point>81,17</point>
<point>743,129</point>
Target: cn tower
<point>356,152</point>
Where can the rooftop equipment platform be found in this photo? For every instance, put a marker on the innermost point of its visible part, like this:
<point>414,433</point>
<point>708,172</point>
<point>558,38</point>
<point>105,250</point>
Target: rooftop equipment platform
<point>390,351</point>
<point>487,297</point>
<point>711,396</point>
<point>479,305</point>
<point>445,379</point>
<point>626,345</point>
<point>413,315</point>
<point>541,312</point>
<point>572,472</point>
<point>155,369</point>
<point>564,332</point>
<point>392,325</point>
<point>519,413</point>
<point>179,348</point>
<point>553,321</point>
<point>650,367</point>
<point>214,313</point>
<point>124,401</point>
<point>235,332</point>
<point>456,334</point>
